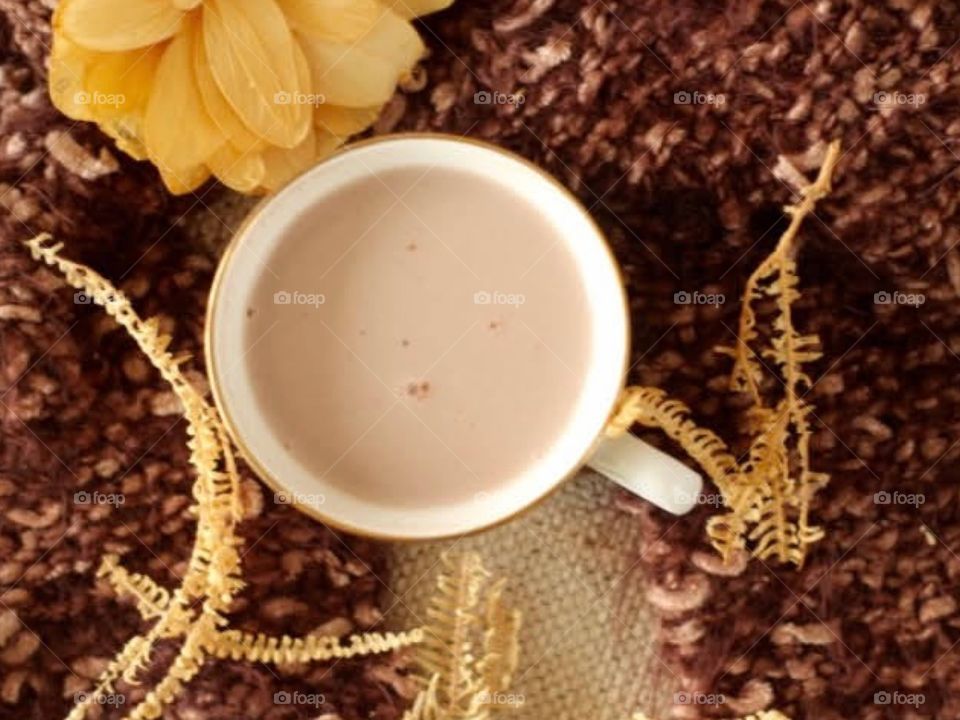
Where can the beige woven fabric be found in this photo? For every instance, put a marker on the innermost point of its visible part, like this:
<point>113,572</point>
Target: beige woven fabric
<point>587,630</point>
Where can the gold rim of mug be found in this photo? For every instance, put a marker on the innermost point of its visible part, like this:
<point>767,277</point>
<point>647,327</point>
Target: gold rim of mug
<point>277,485</point>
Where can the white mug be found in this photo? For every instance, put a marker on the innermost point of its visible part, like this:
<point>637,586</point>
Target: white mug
<point>636,466</point>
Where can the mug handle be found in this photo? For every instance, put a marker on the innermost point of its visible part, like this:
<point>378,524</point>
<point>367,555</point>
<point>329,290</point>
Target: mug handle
<point>648,472</point>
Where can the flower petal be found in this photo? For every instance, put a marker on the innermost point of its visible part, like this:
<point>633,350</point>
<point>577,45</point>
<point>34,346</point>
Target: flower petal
<point>110,89</point>
<point>69,65</point>
<point>344,122</point>
<point>418,8</point>
<point>179,134</point>
<point>364,71</point>
<point>337,20</point>
<point>348,75</point>
<point>113,25</point>
<point>252,57</point>
<point>284,165</point>
<point>394,39</point>
<point>217,106</point>
<point>118,84</point>
<point>118,90</point>
<point>239,170</point>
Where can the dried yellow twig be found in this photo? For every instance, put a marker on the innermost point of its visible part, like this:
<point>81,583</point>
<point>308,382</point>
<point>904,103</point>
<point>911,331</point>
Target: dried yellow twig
<point>459,685</point>
<point>151,599</point>
<point>194,612</point>
<point>767,497</point>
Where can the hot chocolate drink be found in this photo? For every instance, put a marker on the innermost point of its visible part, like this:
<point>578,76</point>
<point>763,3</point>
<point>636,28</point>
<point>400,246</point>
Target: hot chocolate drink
<point>419,336</point>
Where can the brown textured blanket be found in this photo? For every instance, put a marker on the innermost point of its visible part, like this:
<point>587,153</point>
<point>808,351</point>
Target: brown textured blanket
<point>92,443</point>
<point>621,101</point>
<point>617,102</point>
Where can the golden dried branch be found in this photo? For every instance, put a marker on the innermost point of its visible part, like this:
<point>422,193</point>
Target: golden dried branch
<point>776,276</point>
<point>652,407</point>
<point>151,599</point>
<point>459,685</point>
<point>194,611</point>
<point>501,646</point>
<point>767,497</point>
<point>778,464</point>
<point>237,645</point>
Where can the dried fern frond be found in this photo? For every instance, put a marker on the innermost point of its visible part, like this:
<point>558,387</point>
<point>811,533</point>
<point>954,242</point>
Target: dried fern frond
<point>776,277</point>
<point>285,650</point>
<point>459,684</point>
<point>778,464</point>
<point>448,650</point>
<point>767,497</point>
<point>194,612</point>
<point>151,600</point>
<point>501,642</point>
<point>652,407</point>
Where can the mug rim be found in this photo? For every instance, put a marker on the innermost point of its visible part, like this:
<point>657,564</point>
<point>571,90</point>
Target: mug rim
<point>250,458</point>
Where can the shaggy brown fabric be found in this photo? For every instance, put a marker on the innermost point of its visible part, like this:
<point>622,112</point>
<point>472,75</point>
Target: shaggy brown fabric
<point>81,411</point>
<point>689,197</point>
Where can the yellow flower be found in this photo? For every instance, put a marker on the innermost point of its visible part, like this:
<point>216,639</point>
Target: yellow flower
<point>251,91</point>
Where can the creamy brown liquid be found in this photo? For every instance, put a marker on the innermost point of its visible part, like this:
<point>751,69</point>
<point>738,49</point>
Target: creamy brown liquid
<point>401,385</point>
